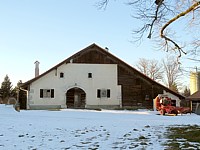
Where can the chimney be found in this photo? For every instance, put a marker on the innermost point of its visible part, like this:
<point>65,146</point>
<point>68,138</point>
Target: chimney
<point>107,49</point>
<point>37,68</point>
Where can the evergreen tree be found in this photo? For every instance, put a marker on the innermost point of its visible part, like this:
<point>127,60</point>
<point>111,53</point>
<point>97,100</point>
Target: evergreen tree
<point>174,87</point>
<point>186,92</point>
<point>6,87</point>
<point>1,93</point>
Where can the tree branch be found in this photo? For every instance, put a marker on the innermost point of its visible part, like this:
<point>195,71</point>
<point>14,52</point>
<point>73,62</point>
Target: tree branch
<point>102,4</point>
<point>155,18</point>
<point>192,8</point>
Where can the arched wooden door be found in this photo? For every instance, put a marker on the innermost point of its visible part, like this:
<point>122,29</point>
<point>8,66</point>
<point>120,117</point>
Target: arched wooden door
<point>75,98</point>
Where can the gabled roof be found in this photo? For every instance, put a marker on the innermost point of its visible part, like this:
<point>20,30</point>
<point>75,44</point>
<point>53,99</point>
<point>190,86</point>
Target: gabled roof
<point>195,96</point>
<point>24,85</point>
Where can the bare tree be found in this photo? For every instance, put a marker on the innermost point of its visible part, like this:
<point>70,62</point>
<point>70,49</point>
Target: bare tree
<point>172,72</point>
<point>157,18</point>
<point>142,66</point>
<point>150,68</point>
<point>166,72</point>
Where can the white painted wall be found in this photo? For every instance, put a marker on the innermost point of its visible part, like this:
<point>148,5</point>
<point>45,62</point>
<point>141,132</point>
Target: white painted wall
<point>104,76</point>
<point>173,97</point>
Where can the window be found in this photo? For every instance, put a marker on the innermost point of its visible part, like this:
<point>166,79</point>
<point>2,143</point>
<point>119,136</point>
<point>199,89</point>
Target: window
<point>89,75</point>
<point>61,75</point>
<point>147,97</point>
<point>173,103</point>
<point>98,93</point>
<point>46,93</point>
<point>41,93</point>
<point>103,93</point>
<point>52,93</point>
<point>108,93</point>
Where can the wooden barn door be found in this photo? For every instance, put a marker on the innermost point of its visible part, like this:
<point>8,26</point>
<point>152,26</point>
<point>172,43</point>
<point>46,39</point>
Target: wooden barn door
<point>75,98</point>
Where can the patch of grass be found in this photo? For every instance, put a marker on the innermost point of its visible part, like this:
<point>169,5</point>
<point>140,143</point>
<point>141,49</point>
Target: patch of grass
<point>190,133</point>
<point>142,137</point>
<point>181,137</point>
<point>173,145</point>
<point>187,144</point>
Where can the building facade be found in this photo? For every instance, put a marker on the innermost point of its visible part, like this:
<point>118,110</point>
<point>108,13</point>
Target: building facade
<point>76,86</point>
<point>93,78</point>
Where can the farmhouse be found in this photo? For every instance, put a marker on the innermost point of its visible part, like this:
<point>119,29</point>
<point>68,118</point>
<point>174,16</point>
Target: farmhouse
<point>93,78</point>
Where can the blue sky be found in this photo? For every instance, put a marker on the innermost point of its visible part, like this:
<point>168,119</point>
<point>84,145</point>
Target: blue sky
<point>52,30</point>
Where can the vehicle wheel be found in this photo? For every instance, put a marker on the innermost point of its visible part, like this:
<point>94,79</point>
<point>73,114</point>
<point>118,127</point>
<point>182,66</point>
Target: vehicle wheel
<point>175,112</point>
<point>162,112</point>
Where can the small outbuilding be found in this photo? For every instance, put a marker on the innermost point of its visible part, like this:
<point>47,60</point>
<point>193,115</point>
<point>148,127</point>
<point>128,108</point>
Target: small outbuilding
<point>195,102</point>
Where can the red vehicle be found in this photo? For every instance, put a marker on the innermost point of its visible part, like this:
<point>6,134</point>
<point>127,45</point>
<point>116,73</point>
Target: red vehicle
<point>164,105</point>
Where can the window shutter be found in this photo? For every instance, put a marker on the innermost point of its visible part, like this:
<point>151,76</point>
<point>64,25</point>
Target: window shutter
<point>41,93</point>
<point>98,93</point>
<point>52,93</point>
<point>108,93</point>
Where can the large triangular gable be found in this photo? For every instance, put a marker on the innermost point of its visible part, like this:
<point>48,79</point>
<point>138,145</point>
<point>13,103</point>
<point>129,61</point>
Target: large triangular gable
<point>118,61</point>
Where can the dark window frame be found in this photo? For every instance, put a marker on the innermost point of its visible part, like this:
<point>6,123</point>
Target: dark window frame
<point>61,75</point>
<point>108,93</point>
<point>43,93</point>
<point>98,93</point>
<point>52,93</point>
<point>89,75</point>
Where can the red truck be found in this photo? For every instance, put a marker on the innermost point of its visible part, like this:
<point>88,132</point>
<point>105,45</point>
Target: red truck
<point>164,105</point>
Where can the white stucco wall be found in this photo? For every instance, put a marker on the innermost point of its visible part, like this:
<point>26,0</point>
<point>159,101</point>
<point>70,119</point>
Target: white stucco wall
<point>173,97</point>
<point>104,76</point>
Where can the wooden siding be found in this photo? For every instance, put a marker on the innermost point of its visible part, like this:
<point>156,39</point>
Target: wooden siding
<point>134,86</point>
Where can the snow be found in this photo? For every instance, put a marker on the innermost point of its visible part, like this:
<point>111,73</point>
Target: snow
<point>85,129</point>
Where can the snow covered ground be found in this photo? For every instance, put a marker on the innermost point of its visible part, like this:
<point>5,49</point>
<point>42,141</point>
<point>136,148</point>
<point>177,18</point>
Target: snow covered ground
<point>85,129</point>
